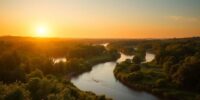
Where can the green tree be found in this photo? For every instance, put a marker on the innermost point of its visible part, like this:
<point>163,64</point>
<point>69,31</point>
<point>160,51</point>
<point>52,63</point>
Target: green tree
<point>10,70</point>
<point>136,60</point>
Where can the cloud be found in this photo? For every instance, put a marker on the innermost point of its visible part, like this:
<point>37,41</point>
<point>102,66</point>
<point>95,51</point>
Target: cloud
<point>183,19</point>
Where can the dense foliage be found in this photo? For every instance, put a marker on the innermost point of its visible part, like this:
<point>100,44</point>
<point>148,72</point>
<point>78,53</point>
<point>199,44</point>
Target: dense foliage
<point>20,56</point>
<point>40,87</point>
<point>173,74</point>
<point>28,70</point>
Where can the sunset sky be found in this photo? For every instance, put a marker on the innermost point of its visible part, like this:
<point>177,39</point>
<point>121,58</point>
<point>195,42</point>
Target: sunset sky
<point>100,18</point>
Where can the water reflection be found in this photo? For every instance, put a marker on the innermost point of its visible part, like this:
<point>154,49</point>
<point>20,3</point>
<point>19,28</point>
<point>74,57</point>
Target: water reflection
<point>104,44</point>
<point>101,80</point>
<point>57,60</point>
<point>124,57</point>
<point>149,57</point>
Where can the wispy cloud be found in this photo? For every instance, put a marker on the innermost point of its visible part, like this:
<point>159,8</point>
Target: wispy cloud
<point>183,19</point>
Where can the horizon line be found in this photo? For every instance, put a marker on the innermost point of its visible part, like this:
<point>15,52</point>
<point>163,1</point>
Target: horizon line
<point>93,38</point>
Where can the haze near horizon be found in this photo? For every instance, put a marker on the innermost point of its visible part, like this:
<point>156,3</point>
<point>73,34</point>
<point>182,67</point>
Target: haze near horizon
<point>100,18</point>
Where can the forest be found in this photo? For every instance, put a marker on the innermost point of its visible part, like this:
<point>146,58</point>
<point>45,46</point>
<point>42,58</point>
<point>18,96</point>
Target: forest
<point>28,70</point>
<point>172,75</point>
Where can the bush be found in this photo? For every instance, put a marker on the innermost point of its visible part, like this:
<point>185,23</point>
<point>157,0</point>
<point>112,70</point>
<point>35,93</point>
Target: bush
<point>137,60</point>
<point>134,67</point>
<point>15,91</point>
<point>161,83</point>
<point>37,73</point>
<point>135,76</point>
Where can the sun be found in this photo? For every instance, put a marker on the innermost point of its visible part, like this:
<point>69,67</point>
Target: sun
<point>41,31</point>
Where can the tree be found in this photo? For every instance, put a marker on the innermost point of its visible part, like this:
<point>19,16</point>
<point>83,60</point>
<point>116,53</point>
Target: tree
<point>137,60</point>
<point>10,69</point>
<point>134,67</point>
<point>188,74</point>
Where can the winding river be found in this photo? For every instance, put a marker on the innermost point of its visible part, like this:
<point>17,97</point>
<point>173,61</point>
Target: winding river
<point>101,80</point>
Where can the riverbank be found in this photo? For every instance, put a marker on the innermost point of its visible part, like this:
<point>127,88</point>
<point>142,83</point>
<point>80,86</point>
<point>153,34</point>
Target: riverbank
<point>148,77</point>
<point>101,80</point>
<point>87,64</point>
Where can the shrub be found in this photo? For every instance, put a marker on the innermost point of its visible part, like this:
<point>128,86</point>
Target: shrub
<point>134,67</point>
<point>37,73</point>
<point>137,60</point>
<point>15,91</point>
<point>134,76</point>
<point>161,83</point>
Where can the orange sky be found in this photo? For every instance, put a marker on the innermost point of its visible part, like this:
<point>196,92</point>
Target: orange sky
<point>101,18</point>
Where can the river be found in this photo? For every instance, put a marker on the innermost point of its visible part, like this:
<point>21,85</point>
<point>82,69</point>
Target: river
<point>101,81</point>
